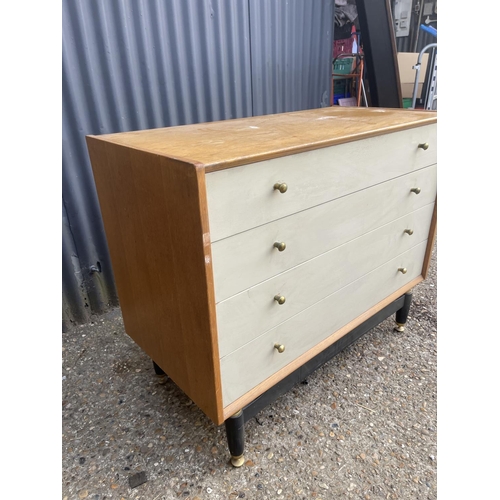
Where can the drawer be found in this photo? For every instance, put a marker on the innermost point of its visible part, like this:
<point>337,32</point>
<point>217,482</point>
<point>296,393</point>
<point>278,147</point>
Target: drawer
<point>243,197</point>
<point>251,364</point>
<point>247,315</point>
<point>248,258</point>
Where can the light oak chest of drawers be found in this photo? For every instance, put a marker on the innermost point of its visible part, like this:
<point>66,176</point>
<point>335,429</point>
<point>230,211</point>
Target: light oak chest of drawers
<point>242,249</point>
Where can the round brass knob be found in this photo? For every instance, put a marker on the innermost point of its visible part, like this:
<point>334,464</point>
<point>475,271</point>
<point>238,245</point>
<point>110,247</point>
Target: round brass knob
<point>403,270</point>
<point>424,146</point>
<point>408,231</point>
<point>280,245</point>
<point>279,347</point>
<point>281,187</point>
<point>279,299</point>
<point>415,190</point>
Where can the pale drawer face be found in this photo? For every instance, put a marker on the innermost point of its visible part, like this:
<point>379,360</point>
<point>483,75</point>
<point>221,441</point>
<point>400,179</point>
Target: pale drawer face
<point>246,259</point>
<point>244,197</point>
<point>247,315</point>
<point>253,363</point>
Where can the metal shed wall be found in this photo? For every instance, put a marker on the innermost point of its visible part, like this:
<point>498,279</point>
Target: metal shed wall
<point>139,64</point>
<point>291,47</point>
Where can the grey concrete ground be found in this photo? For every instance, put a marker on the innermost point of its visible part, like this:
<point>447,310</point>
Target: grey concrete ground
<point>363,427</point>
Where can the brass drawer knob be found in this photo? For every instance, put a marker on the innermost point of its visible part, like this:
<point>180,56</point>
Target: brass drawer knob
<point>281,187</point>
<point>403,270</point>
<point>424,146</point>
<point>280,245</point>
<point>415,190</point>
<point>279,347</point>
<point>280,299</point>
<point>408,231</point>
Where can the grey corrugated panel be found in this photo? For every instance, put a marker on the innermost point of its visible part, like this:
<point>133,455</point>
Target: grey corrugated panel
<point>75,305</point>
<point>403,43</point>
<point>290,40</point>
<point>407,43</point>
<point>425,38</point>
<point>139,64</point>
<point>130,65</point>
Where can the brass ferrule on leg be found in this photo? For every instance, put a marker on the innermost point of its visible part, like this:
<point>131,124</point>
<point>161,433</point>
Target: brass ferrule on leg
<point>238,461</point>
<point>400,327</point>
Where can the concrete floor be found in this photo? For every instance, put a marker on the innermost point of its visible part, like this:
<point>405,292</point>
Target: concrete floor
<point>363,427</point>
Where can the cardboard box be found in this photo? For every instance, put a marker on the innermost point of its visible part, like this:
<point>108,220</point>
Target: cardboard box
<point>348,101</point>
<point>406,61</point>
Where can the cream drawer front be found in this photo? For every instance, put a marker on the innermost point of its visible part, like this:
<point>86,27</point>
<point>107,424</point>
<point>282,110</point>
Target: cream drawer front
<point>246,259</point>
<point>247,315</point>
<point>250,365</point>
<point>243,197</point>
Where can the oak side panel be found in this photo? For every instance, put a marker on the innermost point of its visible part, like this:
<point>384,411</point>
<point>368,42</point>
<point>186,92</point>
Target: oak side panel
<point>156,223</point>
<point>430,242</point>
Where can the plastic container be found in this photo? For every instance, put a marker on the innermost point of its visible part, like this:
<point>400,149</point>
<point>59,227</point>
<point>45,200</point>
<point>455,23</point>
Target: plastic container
<point>336,97</point>
<point>342,66</point>
<point>340,86</point>
<point>343,46</point>
<point>407,102</point>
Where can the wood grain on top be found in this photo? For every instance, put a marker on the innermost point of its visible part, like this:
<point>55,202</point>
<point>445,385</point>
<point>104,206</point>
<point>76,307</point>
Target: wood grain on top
<point>229,143</point>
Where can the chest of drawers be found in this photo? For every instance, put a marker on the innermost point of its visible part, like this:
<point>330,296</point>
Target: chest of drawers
<point>244,249</point>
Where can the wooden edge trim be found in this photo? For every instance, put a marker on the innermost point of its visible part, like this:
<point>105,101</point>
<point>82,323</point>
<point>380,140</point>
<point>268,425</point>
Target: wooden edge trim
<point>247,398</point>
<point>430,242</point>
<point>237,162</point>
<point>209,280</point>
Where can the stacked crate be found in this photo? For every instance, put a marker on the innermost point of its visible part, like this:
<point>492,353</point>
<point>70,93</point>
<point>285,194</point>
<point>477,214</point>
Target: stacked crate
<point>341,66</point>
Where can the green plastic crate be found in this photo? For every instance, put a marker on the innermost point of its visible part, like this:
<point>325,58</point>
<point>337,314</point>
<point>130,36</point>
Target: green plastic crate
<point>342,66</point>
<point>340,86</point>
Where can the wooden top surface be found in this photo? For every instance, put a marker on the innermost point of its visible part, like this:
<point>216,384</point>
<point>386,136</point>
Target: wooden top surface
<point>228,143</point>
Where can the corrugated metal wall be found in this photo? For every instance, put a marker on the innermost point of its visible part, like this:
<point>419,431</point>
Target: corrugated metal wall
<point>407,43</point>
<point>291,46</point>
<point>139,64</point>
<point>417,39</point>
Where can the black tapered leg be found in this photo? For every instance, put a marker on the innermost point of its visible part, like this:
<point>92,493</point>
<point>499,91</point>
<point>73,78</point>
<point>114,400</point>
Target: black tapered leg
<point>402,314</point>
<point>158,370</point>
<point>235,432</point>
